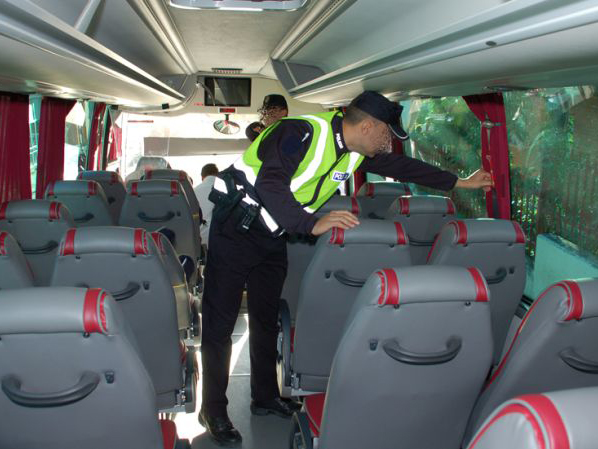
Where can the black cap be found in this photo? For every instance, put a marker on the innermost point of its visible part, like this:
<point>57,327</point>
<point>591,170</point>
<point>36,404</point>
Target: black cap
<point>274,100</point>
<point>250,131</point>
<point>381,108</point>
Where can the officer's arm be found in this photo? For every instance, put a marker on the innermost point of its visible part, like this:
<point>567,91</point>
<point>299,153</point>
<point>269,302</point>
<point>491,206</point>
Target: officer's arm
<point>407,169</point>
<point>281,152</point>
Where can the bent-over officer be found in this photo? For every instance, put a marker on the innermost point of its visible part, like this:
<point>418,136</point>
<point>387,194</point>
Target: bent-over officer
<point>288,172</point>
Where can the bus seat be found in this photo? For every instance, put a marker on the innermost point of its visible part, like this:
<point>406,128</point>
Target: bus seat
<point>127,263</point>
<point>374,198</point>
<point>160,203</point>
<point>497,248</point>
<point>113,186</point>
<point>14,269</point>
<point>187,307</point>
<point>71,376</point>
<point>339,202</point>
<point>555,420</point>
<point>84,199</point>
<point>183,178</point>
<point>413,357</point>
<point>375,188</point>
<point>423,217</point>
<point>342,262</point>
<point>553,349</point>
<point>38,226</point>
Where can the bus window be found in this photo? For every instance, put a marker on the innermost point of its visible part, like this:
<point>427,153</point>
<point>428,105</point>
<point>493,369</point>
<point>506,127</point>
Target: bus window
<point>75,141</point>
<point>35,107</point>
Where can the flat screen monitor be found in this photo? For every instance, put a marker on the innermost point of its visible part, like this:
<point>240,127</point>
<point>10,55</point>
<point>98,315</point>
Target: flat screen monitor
<point>227,91</point>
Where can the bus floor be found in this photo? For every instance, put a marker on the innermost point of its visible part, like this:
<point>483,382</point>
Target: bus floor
<point>259,432</point>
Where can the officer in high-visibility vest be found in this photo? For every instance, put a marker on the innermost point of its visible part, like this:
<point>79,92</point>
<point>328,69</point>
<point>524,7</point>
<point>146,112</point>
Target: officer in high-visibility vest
<point>287,173</point>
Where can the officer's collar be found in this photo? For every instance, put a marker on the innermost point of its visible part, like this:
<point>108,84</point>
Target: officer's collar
<point>337,129</point>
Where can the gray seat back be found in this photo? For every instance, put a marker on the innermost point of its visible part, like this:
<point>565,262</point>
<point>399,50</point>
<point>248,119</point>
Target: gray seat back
<point>372,189</point>
<point>176,273</point>
<point>14,270</point>
<point>554,348</point>
<point>113,185</point>
<point>38,226</point>
<point>374,198</point>
<point>423,217</point>
<point>560,419</point>
<point>84,199</point>
<point>328,291</point>
<point>339,202</point>
<point>415,352</point>
<point>54,339</point>
<point>160,203</point>
<point>497,248</point>
<point>300,252</point>
<point>183,178</point>
<point>127,263</point>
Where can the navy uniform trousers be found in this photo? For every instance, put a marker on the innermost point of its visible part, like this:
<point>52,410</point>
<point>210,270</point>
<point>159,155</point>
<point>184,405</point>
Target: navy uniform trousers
<point>236,259</point>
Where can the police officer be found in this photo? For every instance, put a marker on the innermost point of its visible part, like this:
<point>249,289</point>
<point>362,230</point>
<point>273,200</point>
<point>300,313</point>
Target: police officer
<point>287,173</point>
<point>274,108</point>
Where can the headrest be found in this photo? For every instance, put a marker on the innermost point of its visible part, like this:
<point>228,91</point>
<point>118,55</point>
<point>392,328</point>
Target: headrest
<point>369,231</point>
<point>101,175</point>
<point>35,209</point>
<point>483,230</point>
<point>56,310</point>
<point>160,241</point>
<point>8,245</point>
<point>165,173</point>
<point>383,188</point>
<point>76,188</point>
<point>577,299</point>
<point>338,202</point>
<point>106,239</point>
<point>154,187</point>
<point>422,204</point>
<point>426,283</point>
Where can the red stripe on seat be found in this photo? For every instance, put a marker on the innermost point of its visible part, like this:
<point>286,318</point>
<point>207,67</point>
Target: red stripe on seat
<point>314,407</point>
<point>50,189</point>
<point>404,203</point>
<point>337,237</point>
<point>3,236</point>
<point>3,207</point>
<point>102,312</point>
<point>182,175</point>
<point>68,248</point>
<point>480,287</point>
<point>90,311</point>
<point>520,236</point>
<point>401,239</point>
<point>157,236</point>
<point>113,178</point>
<point>55,210</point>
<point>148,174</point>
<point>174,187</point>
<point>354,206</point>
<point>169,433</point>
<point>382,297</point>
<point>575,300</point>
<point>134,189</point>
<point>461,230</point>
<point>92,188</point>
<point>391,298</point>
<point>369,189</point>
<point>432,249</point>
<point>450,207</point>
<point>140,242</point>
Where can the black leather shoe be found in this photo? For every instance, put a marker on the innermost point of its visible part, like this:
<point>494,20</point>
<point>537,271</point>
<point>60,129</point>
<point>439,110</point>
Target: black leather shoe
<point>279,407</point>
<point>220,429</point>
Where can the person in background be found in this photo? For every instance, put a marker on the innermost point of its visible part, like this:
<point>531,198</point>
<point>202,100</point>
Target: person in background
<point>273,109</point>
<point>208,175</point>
<point>253,130</point>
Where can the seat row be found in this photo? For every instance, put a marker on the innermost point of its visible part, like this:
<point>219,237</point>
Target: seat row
<point>143,275</point>
<point>414,366</point>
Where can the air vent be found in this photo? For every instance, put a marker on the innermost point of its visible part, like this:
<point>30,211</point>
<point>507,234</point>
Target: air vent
<point>226,70</point>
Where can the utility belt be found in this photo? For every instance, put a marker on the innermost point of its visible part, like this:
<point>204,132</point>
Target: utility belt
<point>231,201</point>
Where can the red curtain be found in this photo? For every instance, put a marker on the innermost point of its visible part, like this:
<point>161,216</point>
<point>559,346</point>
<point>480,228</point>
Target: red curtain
<point>95,138</point>
<point>116,139</point>
<point>15,174</point>
<point>490,110</point>
<point>358,180</point>
<point>50,154</point>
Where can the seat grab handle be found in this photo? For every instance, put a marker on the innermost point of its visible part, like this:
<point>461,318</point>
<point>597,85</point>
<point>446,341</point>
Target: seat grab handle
<point>130,290</point>
<point>577,362</point>
<point>48,247</point>
<point>395,351</point>
<point>342,277</point>
<point>166,217</point>
<point>499,276</point>
<point>11,386</point>
<point>85,218</point>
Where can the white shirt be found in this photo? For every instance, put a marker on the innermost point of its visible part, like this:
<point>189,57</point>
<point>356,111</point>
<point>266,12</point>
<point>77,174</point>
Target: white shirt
<point>202,191</point>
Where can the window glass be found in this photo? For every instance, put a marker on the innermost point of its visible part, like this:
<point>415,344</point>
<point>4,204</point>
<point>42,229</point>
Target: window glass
<point>553,134</point>
<point>75,141</point>
<point>35,107</point>
<point>444,132</point>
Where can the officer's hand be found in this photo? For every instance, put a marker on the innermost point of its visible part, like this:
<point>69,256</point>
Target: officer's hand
<point>338,218</point>
<point>478,179</point>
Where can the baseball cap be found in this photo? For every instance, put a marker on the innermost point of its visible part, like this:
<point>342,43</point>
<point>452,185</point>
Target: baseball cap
<point>381,108</point>
<point>274,100</point>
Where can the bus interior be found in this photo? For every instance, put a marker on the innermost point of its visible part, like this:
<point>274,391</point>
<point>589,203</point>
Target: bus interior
<point>446,320</point>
